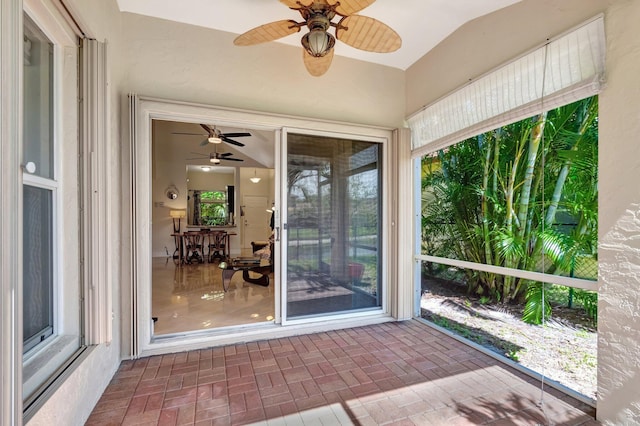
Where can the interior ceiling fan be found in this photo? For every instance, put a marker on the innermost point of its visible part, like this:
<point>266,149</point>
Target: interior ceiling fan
<point>357,31</point>
<point>215,136</point>
<point>215,157</point>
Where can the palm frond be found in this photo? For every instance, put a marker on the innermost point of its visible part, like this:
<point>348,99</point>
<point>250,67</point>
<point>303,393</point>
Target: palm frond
<point>537,307</point>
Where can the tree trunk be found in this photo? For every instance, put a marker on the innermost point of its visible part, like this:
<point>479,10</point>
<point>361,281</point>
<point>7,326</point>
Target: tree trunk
<point>534,144</point>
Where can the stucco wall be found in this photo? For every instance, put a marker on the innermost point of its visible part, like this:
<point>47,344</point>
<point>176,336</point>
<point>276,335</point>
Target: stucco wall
<point>72,403</point>
<point>485,43</point>
<point>184,62</point>
<point>619,225</point>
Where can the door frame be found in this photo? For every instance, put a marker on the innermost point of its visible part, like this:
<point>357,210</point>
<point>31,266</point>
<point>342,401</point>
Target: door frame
<point>137,323</point>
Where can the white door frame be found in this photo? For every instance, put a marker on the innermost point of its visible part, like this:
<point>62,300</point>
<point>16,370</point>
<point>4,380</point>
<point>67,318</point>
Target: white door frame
<point>137,338</point>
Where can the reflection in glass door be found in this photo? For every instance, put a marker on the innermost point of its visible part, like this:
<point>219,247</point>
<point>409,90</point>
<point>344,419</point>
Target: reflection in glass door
<point>333,238</point>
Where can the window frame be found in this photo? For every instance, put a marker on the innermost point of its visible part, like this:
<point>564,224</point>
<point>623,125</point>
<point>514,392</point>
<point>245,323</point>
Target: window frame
<point>44,363</point>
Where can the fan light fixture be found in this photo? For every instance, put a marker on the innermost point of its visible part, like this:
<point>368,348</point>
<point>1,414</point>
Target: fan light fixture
<point>362,32</point>
<point>255,178</point>
<point>318,42</point>
<point>214,139</point>
<point>214,160</point>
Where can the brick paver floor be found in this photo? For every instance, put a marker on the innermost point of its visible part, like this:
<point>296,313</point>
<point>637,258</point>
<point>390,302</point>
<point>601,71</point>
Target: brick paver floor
<point>401,373</point>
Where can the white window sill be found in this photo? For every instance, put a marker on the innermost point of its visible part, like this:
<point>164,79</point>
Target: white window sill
<point>41,363</point>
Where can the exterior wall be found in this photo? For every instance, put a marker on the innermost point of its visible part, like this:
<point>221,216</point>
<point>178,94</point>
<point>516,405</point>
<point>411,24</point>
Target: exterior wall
<point>485,43</point>
<point>72,403</point>
<point>619,227</point>
<point>183,62</point>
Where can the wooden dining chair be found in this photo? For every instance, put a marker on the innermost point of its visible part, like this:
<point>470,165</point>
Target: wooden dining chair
<point>218,246</point>
<point>193,249</point>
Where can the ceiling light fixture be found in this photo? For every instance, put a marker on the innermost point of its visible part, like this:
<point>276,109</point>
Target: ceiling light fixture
<point>205,168</point>
<point>318,41</point>
<point>255,178</point>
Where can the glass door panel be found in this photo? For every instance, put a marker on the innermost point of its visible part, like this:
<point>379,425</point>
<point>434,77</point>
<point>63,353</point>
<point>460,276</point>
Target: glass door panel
<point>333,238</point>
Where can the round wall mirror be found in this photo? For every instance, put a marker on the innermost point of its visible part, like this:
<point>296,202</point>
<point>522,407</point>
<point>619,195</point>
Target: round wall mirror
<point>172,193</point>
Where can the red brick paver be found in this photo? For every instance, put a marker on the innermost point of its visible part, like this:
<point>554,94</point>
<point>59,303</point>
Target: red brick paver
<point>402,373</point>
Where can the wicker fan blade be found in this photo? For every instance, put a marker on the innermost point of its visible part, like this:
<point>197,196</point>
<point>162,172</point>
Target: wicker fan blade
<point>349,7</point>
<point>231,159</point>
<point>226,154</point>
<point>365,33</point>
<point>231,141</point>
<point>267,32</point>
<point>293,4</point>
<point>317,65</point>
<point>204,142</point>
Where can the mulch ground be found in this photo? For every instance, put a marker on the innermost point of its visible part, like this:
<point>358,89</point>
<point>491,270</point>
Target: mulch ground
<point>564,349</point>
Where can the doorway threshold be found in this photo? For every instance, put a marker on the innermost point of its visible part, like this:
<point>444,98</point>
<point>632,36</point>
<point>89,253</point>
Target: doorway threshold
<point>194,340</point>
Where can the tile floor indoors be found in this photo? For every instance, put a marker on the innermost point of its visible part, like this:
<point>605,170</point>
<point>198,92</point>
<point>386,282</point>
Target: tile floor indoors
<point>190,298</point>
<point>401,373</point>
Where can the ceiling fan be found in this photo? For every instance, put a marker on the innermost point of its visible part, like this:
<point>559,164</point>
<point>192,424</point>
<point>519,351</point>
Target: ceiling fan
<point>357,31</point>
<point>215,157</point>
<point>215,136</point>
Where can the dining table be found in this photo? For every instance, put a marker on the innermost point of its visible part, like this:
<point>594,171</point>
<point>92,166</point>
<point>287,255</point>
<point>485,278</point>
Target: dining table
<point>203,244</point>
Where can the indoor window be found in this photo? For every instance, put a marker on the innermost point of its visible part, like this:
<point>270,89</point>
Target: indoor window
<point>211,208</point>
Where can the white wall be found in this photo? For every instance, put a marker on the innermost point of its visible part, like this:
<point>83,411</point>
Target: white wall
<point>169,168</point>
<point>72,403</point>
<point>485,43</point>
<point>183,62</point>
<point>619,225</point>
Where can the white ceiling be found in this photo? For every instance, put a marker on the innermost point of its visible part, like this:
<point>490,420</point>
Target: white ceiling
<point>422,24</point>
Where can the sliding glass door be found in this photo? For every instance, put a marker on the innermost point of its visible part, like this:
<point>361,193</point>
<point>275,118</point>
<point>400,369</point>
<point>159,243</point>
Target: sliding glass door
<point>332,226</point>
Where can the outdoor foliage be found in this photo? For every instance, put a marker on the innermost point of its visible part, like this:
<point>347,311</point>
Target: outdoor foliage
<point>213,208</point>
<point>523,196</point>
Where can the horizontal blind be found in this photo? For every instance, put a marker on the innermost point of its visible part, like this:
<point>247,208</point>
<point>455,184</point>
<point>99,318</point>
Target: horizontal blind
<point>568,68</point>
